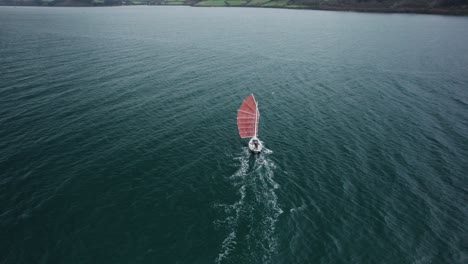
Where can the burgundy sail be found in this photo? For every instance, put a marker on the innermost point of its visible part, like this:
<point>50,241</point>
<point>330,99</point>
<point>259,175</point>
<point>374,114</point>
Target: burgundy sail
<point>247,118</point>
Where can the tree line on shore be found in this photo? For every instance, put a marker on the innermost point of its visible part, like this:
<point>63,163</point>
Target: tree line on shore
<point>414,6</point>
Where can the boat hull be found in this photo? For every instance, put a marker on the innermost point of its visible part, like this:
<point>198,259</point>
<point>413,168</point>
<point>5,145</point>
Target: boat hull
<point>255,148</point>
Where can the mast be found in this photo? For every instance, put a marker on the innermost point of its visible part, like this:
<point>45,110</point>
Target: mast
<point>256,118</point>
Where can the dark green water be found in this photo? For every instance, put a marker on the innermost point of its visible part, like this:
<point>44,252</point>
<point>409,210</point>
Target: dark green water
<point>118,138</point>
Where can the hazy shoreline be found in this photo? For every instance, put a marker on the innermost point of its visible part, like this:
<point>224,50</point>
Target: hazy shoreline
<point>433,11</point>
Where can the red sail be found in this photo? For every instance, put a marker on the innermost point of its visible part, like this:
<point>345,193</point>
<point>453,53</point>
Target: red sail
<point>247,118</point>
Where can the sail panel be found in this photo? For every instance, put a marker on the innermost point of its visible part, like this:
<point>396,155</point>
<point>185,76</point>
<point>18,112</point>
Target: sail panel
<point>247,118</point>
<point>244,115</point>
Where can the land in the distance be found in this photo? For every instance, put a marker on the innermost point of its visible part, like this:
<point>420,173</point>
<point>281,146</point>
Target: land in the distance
<point>449,7</point>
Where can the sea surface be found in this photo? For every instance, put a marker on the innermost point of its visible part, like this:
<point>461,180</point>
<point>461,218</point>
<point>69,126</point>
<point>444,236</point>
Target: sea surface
<point>118,137</point>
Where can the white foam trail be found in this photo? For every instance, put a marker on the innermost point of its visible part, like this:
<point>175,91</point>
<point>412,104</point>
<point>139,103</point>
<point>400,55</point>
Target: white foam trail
<point>231,221</point>
<point>267,186</point>
<point>228,244</point>
<point>257,207</point>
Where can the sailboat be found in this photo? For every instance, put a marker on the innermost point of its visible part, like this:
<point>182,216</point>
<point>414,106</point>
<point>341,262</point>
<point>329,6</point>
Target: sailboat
<point>247,123</point>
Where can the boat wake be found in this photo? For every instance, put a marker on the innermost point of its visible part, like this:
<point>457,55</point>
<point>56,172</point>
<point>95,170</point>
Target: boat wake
<point>249,223</point>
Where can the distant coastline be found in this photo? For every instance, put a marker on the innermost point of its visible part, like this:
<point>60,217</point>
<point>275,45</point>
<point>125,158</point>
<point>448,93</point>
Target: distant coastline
<point>451,7</point>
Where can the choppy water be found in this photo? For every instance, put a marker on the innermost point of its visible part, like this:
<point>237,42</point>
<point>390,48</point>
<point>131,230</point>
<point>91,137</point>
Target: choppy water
<point>118,141</point>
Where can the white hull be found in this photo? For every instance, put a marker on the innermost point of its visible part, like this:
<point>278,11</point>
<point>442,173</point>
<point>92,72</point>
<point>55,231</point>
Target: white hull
<point>255,148</point>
